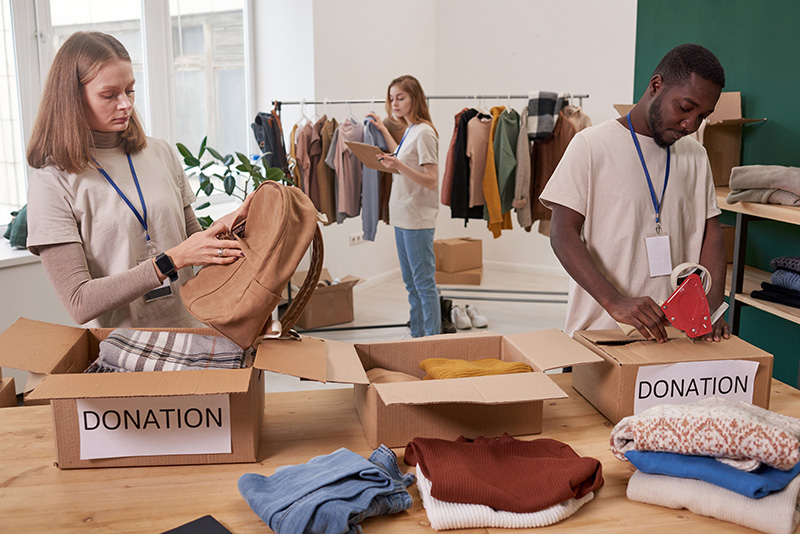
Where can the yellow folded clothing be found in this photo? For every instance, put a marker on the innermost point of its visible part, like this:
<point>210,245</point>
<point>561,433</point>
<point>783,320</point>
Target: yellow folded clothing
<point>379,375</point>
<point>439,368</point>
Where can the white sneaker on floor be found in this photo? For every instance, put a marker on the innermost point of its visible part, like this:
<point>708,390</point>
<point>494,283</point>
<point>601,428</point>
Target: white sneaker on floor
<point>478,320</point>
<point>460,318</point>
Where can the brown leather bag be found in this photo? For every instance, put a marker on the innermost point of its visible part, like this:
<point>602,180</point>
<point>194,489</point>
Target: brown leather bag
<point>238,299</point>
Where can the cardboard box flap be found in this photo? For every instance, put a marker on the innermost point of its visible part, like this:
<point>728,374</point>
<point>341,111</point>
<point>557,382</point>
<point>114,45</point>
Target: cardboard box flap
<point>729,106</point>
<point>617,337</point>
<point>143,384</point>
<point>39,347</point>
<point>344,282</point>
<point>552,349</point>
<point>623,109</point>
<point>734,122</point>
<point>499,389</point>
<point>311,358</point>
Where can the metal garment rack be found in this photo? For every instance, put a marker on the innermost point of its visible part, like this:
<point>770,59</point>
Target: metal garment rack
<point>278,104</point>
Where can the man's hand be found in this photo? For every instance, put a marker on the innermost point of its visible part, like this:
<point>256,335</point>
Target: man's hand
<point>719,331</point>
<point>643,314</point>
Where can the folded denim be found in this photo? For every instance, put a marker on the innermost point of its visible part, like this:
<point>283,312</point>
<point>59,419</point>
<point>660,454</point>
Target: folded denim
<point>329,494</point>
<point>754,484</point>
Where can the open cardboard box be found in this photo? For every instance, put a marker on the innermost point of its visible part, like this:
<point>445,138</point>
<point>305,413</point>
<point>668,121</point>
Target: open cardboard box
<point>470,277</point>
<point>329,304</point>
<point>636,373</point>
<point>394,413</point>
<point>61,353</point>
<point>722,136</point>
<point>8,392</point>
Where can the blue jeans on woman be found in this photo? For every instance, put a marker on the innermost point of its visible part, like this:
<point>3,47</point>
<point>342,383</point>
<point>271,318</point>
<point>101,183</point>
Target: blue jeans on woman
<point>418,266</point>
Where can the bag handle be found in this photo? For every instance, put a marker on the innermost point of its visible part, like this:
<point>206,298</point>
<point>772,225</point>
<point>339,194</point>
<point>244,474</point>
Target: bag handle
<point>292,314</point>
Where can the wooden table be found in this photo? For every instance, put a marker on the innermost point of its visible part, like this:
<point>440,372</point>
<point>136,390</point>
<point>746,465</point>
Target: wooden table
<point>37,497</point>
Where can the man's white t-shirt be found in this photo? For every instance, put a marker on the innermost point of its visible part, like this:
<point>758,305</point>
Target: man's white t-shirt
<point>412,206</point>
<point>600,176</point>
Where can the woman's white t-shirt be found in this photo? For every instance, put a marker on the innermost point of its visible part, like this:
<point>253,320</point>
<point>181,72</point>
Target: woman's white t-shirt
<point>412,206</point>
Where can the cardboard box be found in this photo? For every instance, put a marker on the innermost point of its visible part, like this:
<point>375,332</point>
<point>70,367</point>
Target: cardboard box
<point>329,304</point>
<point>636,373</point>
<point>729,237</point>
<point>722,135</point>
<point>8,393</point>
<point>63,352</point>
<point>395,413</point>
<point>471,277</point>
<point>458,254</point>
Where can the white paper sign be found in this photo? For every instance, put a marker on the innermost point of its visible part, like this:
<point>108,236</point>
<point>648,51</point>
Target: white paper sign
<point>154,426</point>
<point>658,254</point>
<point>681,383</point>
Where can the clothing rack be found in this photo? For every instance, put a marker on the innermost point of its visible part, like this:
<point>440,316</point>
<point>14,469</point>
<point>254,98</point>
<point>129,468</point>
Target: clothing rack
<point>279,103</point>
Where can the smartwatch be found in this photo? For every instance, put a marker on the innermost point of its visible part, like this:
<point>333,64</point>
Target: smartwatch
<point>167,268</point>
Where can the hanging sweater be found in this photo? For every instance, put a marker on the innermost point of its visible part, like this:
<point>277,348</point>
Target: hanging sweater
<point>493,211</point>
<point>505,154</point>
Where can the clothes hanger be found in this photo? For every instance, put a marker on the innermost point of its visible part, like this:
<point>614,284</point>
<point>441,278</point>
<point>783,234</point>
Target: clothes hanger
<point>350,112</point>
<point>303,119</point>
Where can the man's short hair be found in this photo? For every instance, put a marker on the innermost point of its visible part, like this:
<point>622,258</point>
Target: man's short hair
<point>686,59</point>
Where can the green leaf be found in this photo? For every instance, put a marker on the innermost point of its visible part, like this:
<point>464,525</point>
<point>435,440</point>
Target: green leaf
<point>275,174</point>
<point>202,147</point>
<point>207,165</point>
<point>203,206</point>
<point>242,168</point>
<point>191,161</point>
<point>205,222</point>
<point>230,184</point>
<point>243,158</point>
<point>183,150</point>
<point>228,160</point>
<point>215,153</point>
<point>218,176</point>
<point>203,180</point>
<point>208,189</point>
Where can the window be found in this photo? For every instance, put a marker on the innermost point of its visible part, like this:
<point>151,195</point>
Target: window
<point>206,96</point>
<point>12,160</point>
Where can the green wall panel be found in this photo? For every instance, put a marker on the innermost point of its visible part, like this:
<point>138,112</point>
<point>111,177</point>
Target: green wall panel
<point>757,44</point>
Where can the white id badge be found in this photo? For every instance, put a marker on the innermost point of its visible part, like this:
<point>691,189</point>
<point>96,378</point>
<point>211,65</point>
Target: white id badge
<point>658,255</point>
<point>162,291</point>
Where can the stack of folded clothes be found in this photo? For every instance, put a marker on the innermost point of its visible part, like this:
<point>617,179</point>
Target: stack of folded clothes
<point>330,494</point>
<point>126,350</point>
<point>765,184</point>
<point>784,286</point>
<point>724,459</point>
<point>500,482</point>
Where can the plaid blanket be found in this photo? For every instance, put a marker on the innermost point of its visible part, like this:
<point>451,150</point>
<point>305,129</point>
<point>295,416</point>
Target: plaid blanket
<point>543,110</point>
<point>126,350</point>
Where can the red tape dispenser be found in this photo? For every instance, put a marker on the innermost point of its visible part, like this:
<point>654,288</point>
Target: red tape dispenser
<point>687,308</point>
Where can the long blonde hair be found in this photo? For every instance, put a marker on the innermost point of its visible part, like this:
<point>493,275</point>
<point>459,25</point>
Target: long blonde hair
<point>61,134</point>
<point>419,104</point>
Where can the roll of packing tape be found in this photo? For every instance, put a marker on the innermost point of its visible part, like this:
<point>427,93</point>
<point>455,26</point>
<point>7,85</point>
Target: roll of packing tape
<point>685,269</point>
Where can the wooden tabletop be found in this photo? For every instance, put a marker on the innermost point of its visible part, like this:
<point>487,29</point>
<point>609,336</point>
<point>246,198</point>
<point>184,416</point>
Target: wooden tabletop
<point>37,497</point>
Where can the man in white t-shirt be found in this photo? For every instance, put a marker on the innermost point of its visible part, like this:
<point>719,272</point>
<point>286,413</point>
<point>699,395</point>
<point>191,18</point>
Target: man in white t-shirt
<point>635,189</point>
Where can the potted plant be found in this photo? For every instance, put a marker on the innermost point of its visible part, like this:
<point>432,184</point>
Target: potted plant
<point>237,181</point>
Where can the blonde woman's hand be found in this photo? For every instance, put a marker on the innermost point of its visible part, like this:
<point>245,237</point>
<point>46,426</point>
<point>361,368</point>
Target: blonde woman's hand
<point>390,162</point>
<point>211,246</point>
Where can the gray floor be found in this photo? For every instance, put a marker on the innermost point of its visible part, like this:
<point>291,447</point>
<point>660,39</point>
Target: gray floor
<point>386,303</point>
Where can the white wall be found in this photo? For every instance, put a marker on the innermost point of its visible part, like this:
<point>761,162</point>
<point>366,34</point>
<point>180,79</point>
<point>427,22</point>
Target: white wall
<point>453,47</point>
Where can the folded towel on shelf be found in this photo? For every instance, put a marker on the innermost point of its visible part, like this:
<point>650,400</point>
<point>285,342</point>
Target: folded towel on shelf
<point>443,368</point>
<point>754,484</point>
<point>786,279</point>
<point>774,514</point>
<point>766,177</point>
<point>714,427</point>
<point>779,295</point>
<point>126,350</point>
<point>543,111</point>
<point>443,515</point>
<point>789,263</point>
<point>763,196</point>
<point>504,473</point>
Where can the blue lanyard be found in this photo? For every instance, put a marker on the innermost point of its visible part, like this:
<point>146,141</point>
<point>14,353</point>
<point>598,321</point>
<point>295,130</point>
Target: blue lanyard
<point>656,202</point>
<point>396,152</point>
<point>142,217</point>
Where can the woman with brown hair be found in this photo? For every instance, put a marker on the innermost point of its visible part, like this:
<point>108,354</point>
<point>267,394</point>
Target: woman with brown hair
<point>414,200</point>
<point>109,209</point>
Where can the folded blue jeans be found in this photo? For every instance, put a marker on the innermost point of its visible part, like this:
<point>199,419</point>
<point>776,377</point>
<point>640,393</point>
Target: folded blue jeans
<point>330,494</point>
<point>754,484</point>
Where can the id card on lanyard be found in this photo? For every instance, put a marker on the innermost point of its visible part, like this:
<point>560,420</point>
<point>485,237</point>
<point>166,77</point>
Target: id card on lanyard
<point>657,243</point>
<point>165,289</point>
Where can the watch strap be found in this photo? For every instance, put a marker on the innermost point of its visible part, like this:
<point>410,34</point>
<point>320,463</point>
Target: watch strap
<point>167,268</point>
